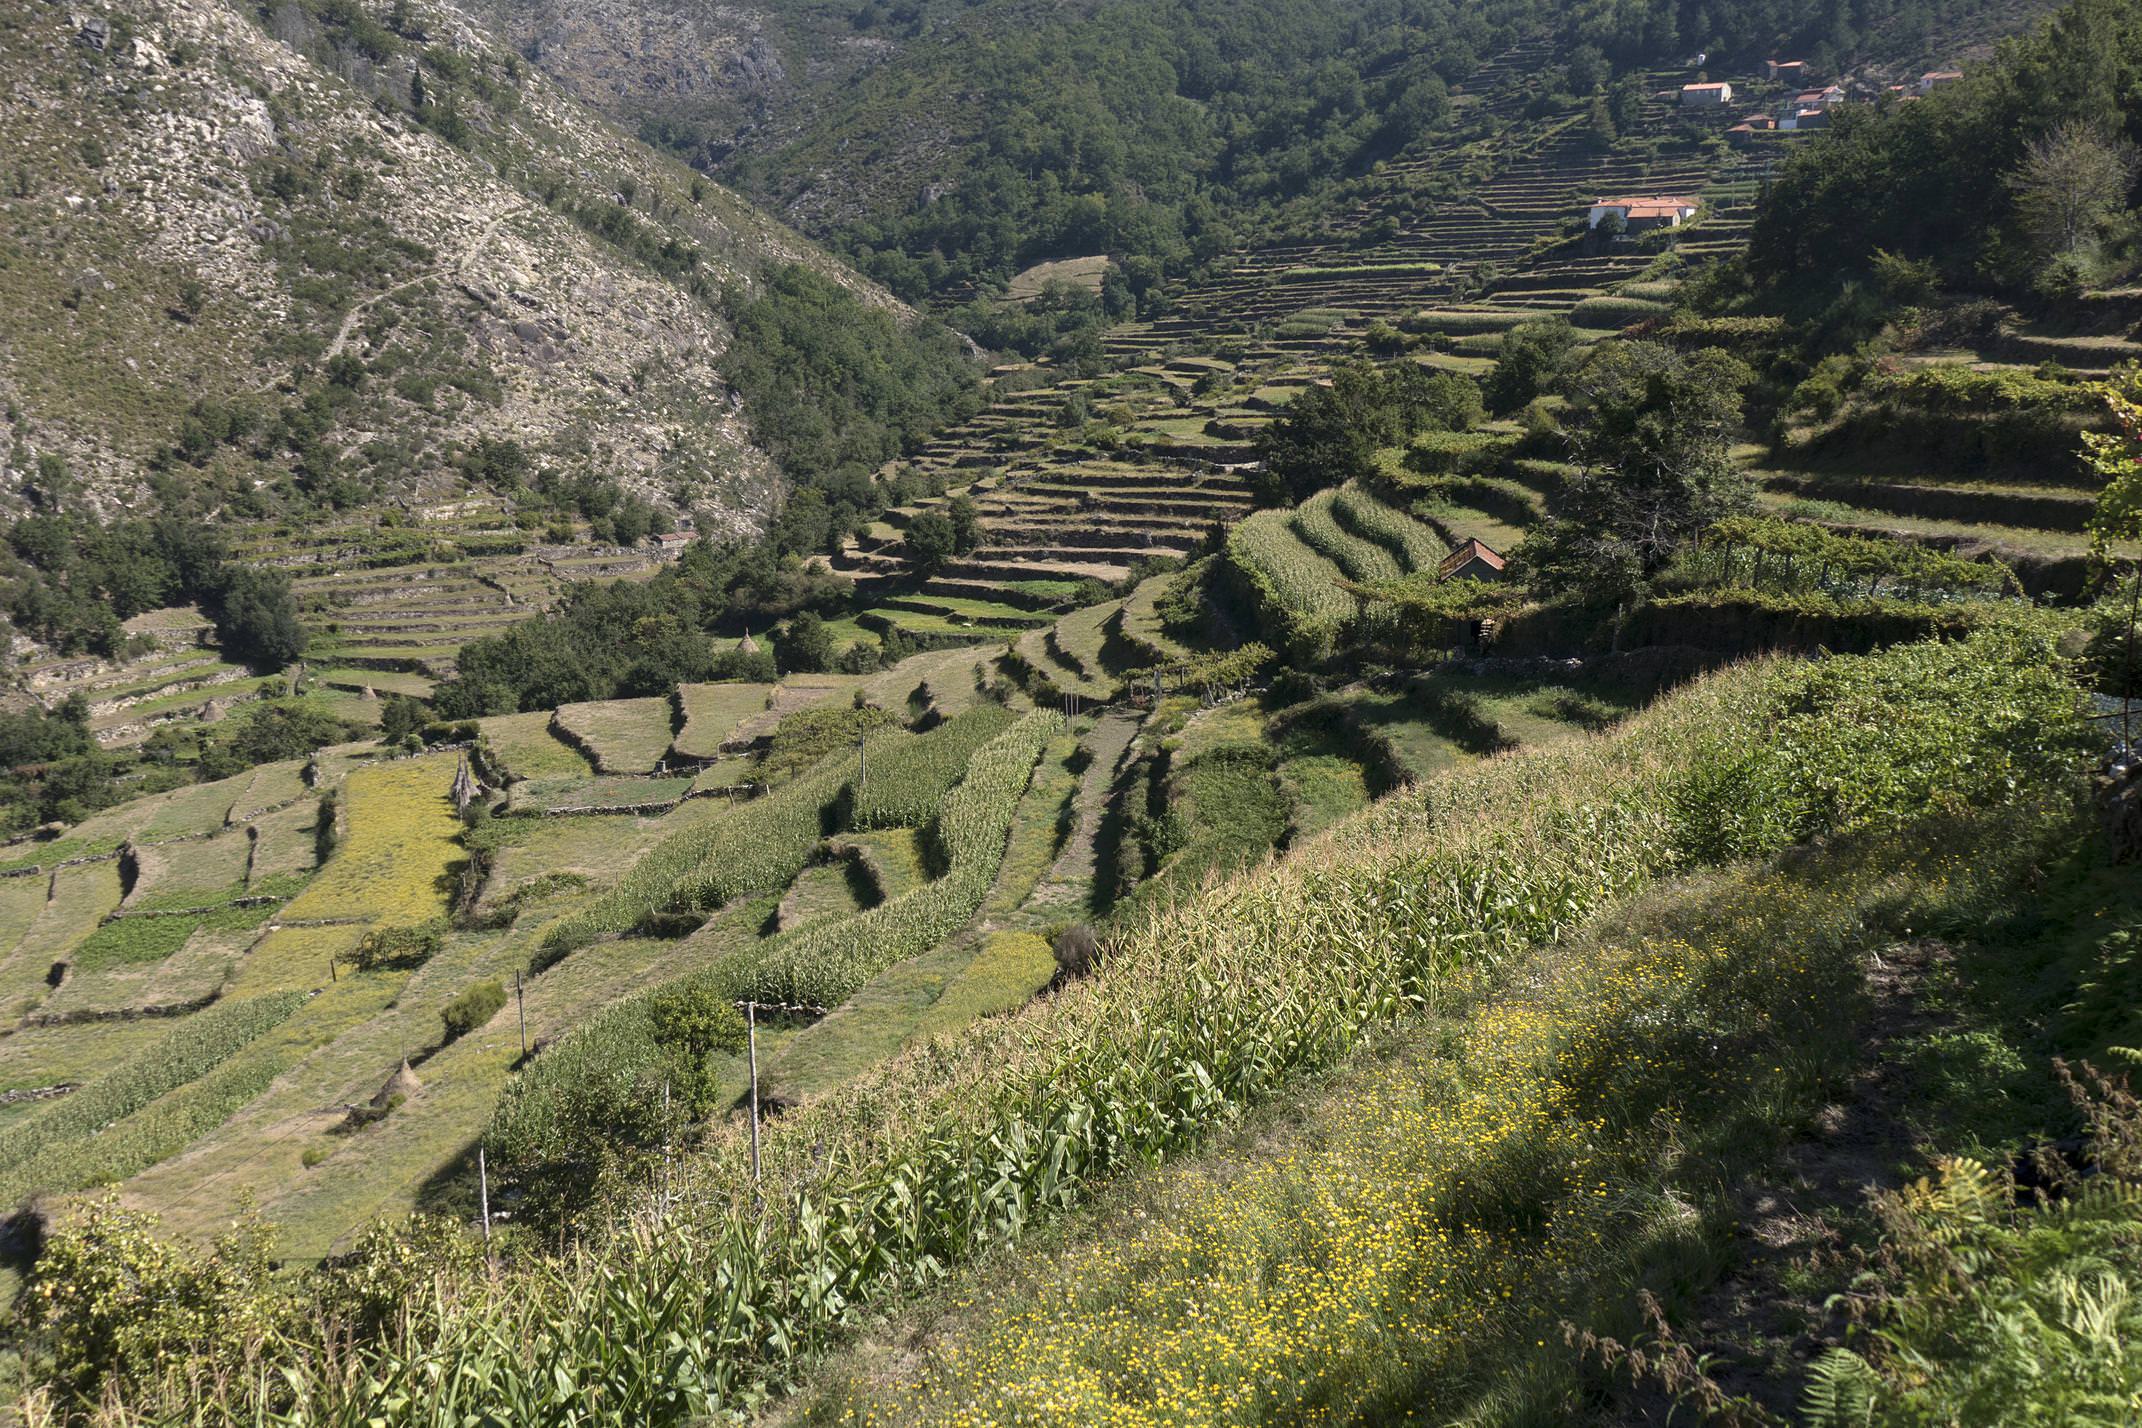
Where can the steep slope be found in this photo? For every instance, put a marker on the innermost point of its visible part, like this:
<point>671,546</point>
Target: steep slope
<point>949,144</point>
<point>315,259</point>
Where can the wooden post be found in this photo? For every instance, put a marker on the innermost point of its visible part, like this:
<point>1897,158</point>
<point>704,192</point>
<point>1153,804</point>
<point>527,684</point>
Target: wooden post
<point>862,771</point>
<point>331,974</point>
<point>483,1196</point>
<point>520,1005</point>
<point>751,1041</point>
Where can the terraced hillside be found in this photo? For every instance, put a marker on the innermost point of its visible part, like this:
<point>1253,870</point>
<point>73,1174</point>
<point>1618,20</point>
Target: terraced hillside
<point>1964,441</point>
<point>313,918</point>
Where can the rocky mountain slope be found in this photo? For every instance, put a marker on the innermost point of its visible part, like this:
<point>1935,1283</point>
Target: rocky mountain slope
<point>318,253</point>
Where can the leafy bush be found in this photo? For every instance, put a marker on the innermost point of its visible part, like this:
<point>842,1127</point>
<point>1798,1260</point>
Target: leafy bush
<point>1455,453</point>
<point>589,1109</point>
<point>1860,741</point>
<point>116,1302</point>
<point>472,1008</point>
<point>399,947</point>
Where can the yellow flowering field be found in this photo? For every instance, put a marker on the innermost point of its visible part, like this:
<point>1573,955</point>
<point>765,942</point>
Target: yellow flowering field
<point>401,836</point>
<point>1416,1231</point>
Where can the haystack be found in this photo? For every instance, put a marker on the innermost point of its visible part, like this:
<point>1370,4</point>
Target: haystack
<point>403,1083</point>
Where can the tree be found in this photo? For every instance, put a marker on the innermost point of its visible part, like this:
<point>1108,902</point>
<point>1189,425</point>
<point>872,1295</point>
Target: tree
<point>931,541</point>
<point>1649,428</point>
<point>2068,183</point>
<point>1327,436</point>
<point>966,525</point>
<point>1531,361</point>
<point>806,647</point>
<point>256,619</point>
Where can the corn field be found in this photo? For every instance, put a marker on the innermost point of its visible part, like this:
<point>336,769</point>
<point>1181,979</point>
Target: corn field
<point>57,1146</point>
<point>1295,591</point>
<point>903,786</point>
<point>824,965</point>
<point>1319,528</point>
<point>1411,543</point>
<point>760,844</point>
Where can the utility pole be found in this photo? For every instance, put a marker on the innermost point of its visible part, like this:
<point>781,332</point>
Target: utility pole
<point>520,1005</point>
<point>862,771</point>
<point>483,1196</point>
<point>751,1040</point>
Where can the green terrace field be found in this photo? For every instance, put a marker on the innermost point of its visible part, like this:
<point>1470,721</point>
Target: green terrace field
<point>597,880</point>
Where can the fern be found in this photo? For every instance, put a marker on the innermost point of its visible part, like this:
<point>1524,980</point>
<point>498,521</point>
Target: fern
<point>1842,1391</point>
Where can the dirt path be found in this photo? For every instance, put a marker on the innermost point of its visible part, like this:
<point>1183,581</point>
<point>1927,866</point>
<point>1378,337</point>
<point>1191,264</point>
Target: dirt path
<point>1791,1218</point>
<point>458,265</point>
<point>1068,885</point>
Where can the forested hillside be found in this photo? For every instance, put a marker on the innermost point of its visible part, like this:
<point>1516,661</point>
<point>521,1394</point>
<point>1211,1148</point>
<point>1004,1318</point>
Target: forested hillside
<point>952,145</point>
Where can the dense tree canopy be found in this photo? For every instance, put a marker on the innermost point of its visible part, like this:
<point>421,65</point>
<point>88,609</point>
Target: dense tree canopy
<point>831,382</point>
<point>1649,429</point>
<point>1990,179</point>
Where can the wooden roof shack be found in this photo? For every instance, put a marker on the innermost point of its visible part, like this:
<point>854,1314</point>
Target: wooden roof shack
<point>1472,560</point>
<point>1706,96</point>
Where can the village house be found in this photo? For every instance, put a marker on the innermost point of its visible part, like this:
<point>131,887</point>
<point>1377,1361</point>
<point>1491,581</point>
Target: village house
<point>1706,96</point>
<point>1805,119</point>
<point>673,542</point>
<point>1790,71</point>
<point>1823,98</point>
<point>1754,124</point>
<point>1638,214</point>
<point>1473,560</point>
<point>1935,78</point>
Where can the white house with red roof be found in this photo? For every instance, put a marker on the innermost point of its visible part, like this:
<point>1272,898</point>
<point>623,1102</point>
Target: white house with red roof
<point>1650,211</point>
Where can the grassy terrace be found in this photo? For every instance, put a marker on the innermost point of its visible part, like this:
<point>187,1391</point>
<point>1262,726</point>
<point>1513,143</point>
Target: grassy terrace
<point>622,736</point>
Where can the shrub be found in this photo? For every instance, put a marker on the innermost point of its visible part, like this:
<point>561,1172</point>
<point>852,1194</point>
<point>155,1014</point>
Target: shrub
<point>589,1109</point>
<point>472,1008</point>
<point>399,947</point>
